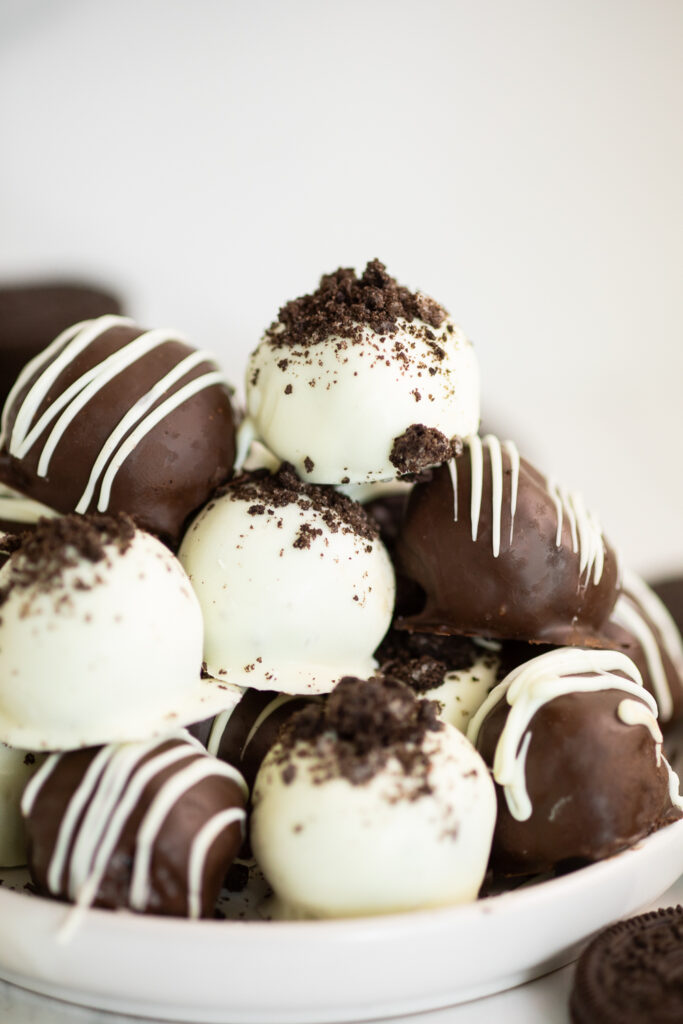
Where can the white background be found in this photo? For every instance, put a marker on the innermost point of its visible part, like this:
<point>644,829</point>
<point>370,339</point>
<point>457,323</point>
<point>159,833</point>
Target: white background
<point>521,161</point>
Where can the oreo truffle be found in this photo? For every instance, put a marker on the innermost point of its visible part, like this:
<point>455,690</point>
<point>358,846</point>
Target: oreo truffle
<point>296,588</point>
<point>33,313</point>
<point>243,734</point>
<point>113,418</point>
<point>455,671</point>
<point>370,805</point>
<point>150,826</point>
<point>100,638</point>
<point>642,625</point>
<point>384,375</point>
<point>576,753</point>
<point>500,551</point>
<point>631,972</point>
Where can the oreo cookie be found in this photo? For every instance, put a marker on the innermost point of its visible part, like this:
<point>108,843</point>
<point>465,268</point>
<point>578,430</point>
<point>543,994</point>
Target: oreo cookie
<point>632,973</point>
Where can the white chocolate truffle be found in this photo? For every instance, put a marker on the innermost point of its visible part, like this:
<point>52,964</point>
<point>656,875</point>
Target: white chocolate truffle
<point>337,381</point>
<point>457,672</point>
<point>100,638</point>
<point>410,832</point>
<point>462,692</point>
<point>16,768</point>
<point>295,588</point>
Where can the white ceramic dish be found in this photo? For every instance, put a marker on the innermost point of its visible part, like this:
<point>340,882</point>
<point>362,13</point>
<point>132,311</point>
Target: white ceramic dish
<point>243,972</point>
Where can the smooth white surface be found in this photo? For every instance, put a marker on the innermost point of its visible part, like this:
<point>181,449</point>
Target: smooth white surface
<point>389,828</point>
<point>361,397</point>
<point>406,963</point>
<point>82,665</point>
<point>278,616</point>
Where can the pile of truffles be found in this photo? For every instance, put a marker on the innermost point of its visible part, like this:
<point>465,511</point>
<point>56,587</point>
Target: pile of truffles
<point>349,640</point>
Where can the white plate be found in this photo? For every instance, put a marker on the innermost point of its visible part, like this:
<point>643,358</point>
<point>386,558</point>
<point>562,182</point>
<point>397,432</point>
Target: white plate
<point>239,972</point>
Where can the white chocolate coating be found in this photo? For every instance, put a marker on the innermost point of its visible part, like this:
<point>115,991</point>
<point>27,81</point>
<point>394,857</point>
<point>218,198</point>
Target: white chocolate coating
<point>462,692</point>
<point>16,768</point>
<point>349,402</point>
<point>280,617</point>
<point>336,849</point>
<point>111,652</point>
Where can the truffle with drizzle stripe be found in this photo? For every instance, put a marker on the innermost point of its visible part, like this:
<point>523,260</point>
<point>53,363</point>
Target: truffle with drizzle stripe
<point>152,826</point>
<point>500,551</point>
<point>576,753</point>
<point>641,624</point>
<point>113,418</point>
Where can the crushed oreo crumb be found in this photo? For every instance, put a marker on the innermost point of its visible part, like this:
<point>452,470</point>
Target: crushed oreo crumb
<point>422,659</point>
<point>419,447</point>
<point>267,492</point>
<point>359,728</point>
<point>344,302</point>
<point>40,556</point>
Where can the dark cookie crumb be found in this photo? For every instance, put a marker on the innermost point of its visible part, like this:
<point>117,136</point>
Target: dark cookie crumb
<point>40,556</point>
<point>359,728</point>
<point>267,492</point>
<point>343,303</point>
<point>420,447</point>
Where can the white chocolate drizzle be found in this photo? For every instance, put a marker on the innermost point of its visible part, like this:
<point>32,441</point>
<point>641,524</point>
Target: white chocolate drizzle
<point>222,720</point>
<point>15,508</point>
<point>584,528</point>
<point>639,611</point>
<point>535,683</point>
<point>138,421</point>
<point>110,790</point>
<point>475,445</point>
<point>634,712</point>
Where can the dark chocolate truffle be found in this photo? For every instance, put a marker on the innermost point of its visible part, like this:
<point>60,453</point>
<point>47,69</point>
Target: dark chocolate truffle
<point>111,418</point>
<point>576,753</point>
<point>632,973</point>
<point>150,826</point>
<point>502,552</point>
<point>642,625</point>
<point>243,735</point>
<point>31,315</point>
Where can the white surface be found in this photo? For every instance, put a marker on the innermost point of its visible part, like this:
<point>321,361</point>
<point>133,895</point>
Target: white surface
<point>210,971</point>
<point>519,161</point>
<point>81,665</point>
<point>390,826</point>
<point>268,605</point>
<point>360,397</point>
<point>543,1001</point>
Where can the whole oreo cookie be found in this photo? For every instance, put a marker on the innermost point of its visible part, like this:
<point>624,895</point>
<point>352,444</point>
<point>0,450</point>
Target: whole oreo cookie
<point>632,973</point>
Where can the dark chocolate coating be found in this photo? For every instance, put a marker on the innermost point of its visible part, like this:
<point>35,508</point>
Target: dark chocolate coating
<point>533,590</point>
<point>171,849</point>
<point>632,972</point>
<point>169,474</point>
<point>31,315</point>
<point>593,782</point>
<point>388,512</point>
<point>670,591</point>
<point>624,639</point>
<point>236,746</point>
